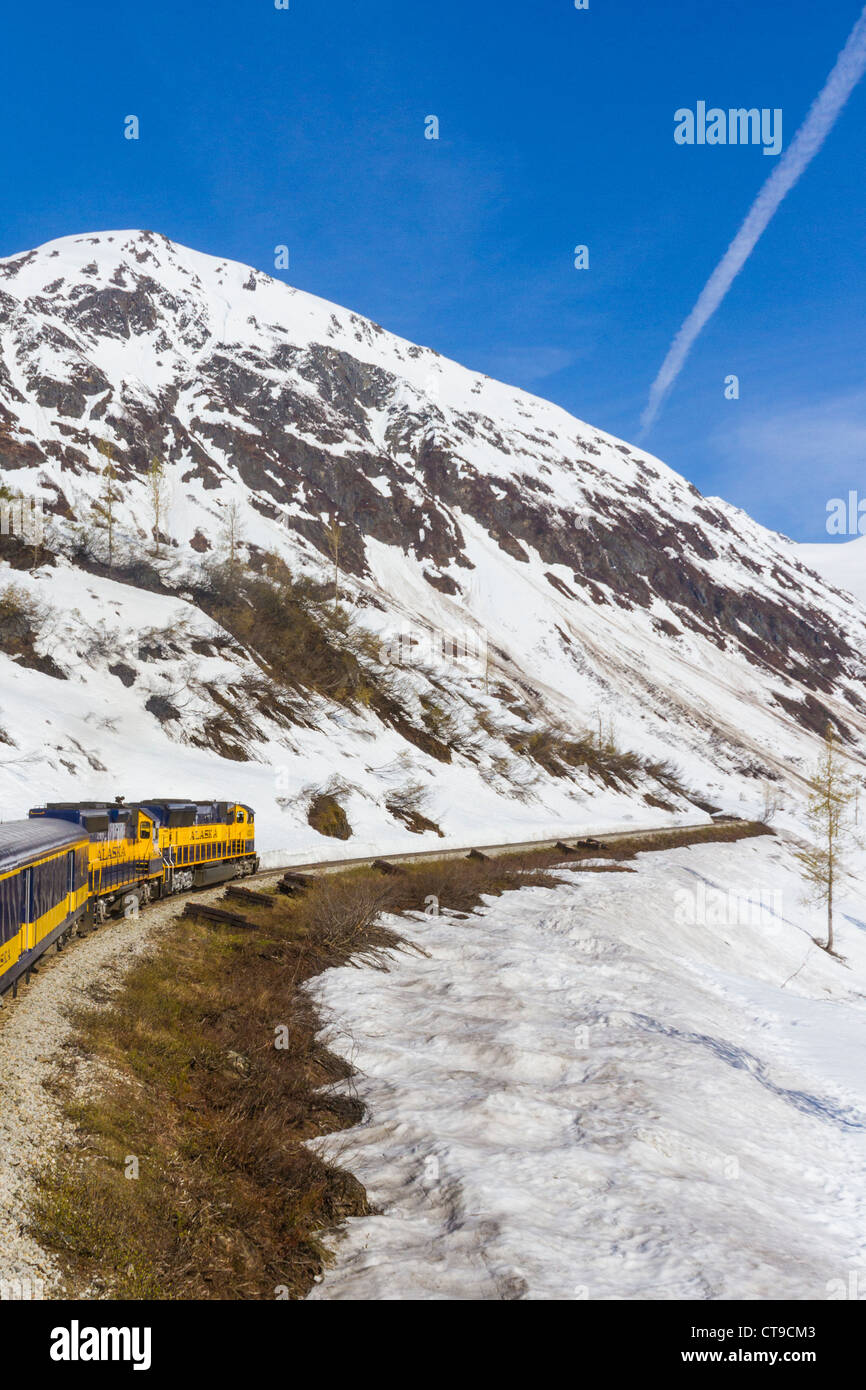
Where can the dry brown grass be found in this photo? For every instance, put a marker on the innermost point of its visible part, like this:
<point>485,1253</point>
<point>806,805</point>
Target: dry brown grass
<point>228,1201</point>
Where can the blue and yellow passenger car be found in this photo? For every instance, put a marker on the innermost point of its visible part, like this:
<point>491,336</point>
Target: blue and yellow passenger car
<point>44,890</point>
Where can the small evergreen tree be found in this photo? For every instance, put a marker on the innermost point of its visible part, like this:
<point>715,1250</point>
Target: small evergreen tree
<point>829,814</point>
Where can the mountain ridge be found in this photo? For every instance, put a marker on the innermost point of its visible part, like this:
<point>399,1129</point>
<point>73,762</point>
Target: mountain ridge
<point>608,595</point>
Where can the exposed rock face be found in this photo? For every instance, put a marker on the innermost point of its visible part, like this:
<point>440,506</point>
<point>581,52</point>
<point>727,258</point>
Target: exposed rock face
<point>597,573</point>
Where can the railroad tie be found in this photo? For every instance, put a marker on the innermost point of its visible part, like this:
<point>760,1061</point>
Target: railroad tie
<point>294,883</point>
<point>217,914</point>
<point>249,895</point>
<point>385,868</point>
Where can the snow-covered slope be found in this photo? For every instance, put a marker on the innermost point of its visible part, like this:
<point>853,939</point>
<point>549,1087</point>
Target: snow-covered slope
<point>645,1085</point>
<point>842,564</point>
<point>594,588</point>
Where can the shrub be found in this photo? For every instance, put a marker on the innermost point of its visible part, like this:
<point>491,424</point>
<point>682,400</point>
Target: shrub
<point>326,815</point>
<point>22,621</point>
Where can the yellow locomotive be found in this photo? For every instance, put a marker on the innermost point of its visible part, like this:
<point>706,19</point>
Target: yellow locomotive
<point>145,849</point>
<point>87,860</point>
<point>150,849</point>
<point>204,842</point>
<point>123,850</point>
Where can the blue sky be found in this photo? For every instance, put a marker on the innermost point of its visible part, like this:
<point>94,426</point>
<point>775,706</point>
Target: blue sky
<point>306,127</point>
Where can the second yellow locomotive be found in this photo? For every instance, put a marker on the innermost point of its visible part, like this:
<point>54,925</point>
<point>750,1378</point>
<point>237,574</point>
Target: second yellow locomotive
<point>150,849</point>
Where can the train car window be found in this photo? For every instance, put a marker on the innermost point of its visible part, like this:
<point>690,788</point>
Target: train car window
<point>10,907</point>
<point>27,895</point>
<point>48,886</point>
<point>240,817</point>
<point>70,871</point>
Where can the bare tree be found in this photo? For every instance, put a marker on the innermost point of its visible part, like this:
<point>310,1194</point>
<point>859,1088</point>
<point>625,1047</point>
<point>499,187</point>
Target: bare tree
<point>334,532</point>
<point>105,506</point>
<point>157,488</point>
<point>232,533</point>
<point>772,802</point>
<point>829,813</point>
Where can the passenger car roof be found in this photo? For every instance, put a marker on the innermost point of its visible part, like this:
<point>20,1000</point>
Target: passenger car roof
<point>24,840</point>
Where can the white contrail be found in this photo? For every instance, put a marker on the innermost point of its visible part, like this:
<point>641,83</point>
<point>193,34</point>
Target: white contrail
<point>849,68</point>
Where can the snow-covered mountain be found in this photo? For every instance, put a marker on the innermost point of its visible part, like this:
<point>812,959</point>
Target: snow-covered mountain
<point>600,606</point>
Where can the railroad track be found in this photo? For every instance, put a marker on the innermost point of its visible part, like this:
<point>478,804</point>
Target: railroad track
<point>606,839</point>
<point>160,913</point>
